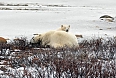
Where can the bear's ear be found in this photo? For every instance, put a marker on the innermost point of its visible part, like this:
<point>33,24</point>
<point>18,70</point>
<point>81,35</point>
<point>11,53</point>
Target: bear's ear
<point>61,25</point>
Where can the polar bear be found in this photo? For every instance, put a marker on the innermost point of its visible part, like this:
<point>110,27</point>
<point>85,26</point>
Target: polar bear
<point>56,39</point>
<point>64,28</point>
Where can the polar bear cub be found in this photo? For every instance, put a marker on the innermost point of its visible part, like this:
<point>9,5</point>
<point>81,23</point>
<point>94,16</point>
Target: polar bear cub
<point>64,28</point>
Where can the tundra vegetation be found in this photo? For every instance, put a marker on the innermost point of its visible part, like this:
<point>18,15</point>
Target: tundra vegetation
<point>94,58</point>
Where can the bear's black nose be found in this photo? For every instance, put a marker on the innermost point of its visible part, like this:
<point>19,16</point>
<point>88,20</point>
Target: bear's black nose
<point>66,30</point>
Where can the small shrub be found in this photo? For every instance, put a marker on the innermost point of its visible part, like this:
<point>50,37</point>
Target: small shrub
<point>94,58</point>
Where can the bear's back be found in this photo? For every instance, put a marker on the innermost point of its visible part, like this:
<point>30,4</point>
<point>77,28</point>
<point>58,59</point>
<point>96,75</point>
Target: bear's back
<point>63,38</point>
<point>64,34</point>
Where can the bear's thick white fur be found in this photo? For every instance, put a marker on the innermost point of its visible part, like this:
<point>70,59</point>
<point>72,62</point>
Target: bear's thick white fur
<point>42,37</point>
<point>57,39</point>
<point>62,39</point>
<point>64,28</point>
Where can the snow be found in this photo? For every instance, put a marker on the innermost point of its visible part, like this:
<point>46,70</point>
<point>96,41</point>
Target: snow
<point>82,16</point>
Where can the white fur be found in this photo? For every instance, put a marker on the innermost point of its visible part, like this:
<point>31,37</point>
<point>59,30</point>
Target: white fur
<point>61,39</point>
<point>57,39</point>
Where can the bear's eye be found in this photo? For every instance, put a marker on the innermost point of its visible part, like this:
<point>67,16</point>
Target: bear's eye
<point>39,34</point>
<point>61,25</point>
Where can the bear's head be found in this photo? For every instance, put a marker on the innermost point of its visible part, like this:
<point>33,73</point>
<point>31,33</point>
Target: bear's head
<point>36,40</point>
<point>65,28</point>
<point>40,40</point>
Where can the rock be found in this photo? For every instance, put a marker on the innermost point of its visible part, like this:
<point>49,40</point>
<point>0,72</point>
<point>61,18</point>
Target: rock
<point>79,36</point>
<point>107,18</point>
<point>3,40</point>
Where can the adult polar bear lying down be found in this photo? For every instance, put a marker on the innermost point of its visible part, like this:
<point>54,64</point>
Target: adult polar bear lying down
<point>56,39</point>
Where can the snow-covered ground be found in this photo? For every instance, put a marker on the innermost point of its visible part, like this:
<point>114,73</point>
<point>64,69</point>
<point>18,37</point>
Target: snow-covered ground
<point>38,16</point>
<point>82,16</point>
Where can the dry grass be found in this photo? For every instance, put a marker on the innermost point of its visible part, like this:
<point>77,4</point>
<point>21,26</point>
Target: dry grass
<point>94,58</point>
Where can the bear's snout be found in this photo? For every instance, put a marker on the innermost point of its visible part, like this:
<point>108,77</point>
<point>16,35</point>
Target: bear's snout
<point>67,30</point>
